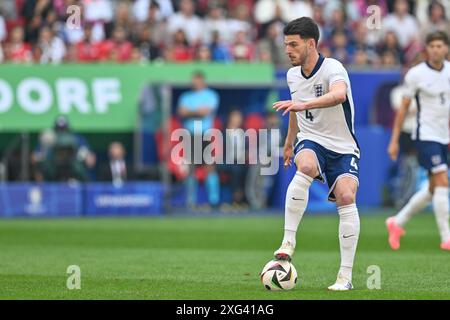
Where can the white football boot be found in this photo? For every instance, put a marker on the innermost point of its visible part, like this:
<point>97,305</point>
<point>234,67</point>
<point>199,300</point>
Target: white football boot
<point>342,284</point>
<point>285,252</point>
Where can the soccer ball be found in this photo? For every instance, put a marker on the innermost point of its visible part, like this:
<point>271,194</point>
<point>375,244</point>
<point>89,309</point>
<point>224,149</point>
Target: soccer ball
<point>279,275</point>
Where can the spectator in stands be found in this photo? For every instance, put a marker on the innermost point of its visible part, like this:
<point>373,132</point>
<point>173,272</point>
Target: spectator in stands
<point>235,153</point>
<point>240,21</point>
<point>100,14</point>
<point>300,8</point>
<point>217,28</point>
<point>199,106</point>
<point>179,50</point>
<point>360,59</point>
<point>3,31</point>
<point>17,50</point>
<point>187,21</point>
<point>242,49</point>
<point>149,50</point>
<point>267,11</point>
<point>88,50</point>
<point>219,50</point>
<point>35,13</point>
<point>156,26</point>
<point>340,49</point>
<point>216,22</point>
<point>122,18</point>
<point>231,5</point>
<point>390,60</point>
<point>142,9</point>
<point>270,47</point>
<point>402,23</point>
<point>50,48</point>
<point>203,54</point>
<point>317,15</point>
<point>437,19</point>
<point>116,170</point>
<point>338,22</point>
<point>390,43</point>
<point>360,35</point>
<point>118,49</point>
<point>348,8</point>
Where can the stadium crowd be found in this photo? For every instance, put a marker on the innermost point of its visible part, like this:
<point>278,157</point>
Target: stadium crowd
<point>42,31</point>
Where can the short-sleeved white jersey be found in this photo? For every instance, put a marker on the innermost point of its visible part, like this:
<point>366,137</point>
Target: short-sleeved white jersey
<point>331,127</point>
<point>430,88</point>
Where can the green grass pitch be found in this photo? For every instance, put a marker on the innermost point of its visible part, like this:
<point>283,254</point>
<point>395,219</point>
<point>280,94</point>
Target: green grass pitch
<point>211,258</point>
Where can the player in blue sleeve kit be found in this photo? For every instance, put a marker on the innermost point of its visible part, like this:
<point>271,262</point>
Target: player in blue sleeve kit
<point>428,84</point>
<point>321,116</point>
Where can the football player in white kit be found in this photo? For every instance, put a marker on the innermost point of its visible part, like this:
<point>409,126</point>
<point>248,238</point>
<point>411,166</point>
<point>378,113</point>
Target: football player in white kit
<point>429,84</point>
<point>321,117</point>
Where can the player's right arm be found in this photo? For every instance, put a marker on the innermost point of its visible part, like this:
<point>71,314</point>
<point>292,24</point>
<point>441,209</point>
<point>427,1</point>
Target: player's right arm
<point>290,139</point>
<point>394,146</point>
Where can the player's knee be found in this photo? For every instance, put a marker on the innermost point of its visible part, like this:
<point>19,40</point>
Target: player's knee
<point>308,169</point>
<point>443,182</point>
<point>439,180</point>
<point>345,198</point>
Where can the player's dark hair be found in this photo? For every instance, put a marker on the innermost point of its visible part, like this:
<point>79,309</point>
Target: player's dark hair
<point>437,35</point>
<point>305,27</point>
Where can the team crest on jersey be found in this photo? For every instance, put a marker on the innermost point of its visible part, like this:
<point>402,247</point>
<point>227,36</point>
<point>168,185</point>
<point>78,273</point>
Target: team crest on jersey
<point>318,90</point>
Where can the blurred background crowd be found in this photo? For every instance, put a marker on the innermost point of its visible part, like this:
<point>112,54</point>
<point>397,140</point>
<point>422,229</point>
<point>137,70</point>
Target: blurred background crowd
<point>35,31</point>
<point>365,35</point>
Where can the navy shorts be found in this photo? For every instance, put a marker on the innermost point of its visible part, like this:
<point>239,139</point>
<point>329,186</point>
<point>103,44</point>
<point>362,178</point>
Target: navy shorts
<point>432,156</point>
<point>332,165</point>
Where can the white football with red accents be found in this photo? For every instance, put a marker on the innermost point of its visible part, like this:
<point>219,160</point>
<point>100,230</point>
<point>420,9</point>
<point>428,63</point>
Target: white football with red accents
<point>279,275</point>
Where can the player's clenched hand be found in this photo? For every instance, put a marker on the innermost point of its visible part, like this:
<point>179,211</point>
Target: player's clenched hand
<point>393,150</point>
<point>289,105</point>
<point>287,154</point>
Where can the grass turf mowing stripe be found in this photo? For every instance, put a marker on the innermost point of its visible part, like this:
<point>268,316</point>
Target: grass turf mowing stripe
<point>211,258</point>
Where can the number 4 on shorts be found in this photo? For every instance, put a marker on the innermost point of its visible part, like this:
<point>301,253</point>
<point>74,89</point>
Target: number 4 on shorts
<point>353,164</point>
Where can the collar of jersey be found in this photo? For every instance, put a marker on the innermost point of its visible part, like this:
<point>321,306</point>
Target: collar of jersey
<point>431,67</point>
<point>316,67</point>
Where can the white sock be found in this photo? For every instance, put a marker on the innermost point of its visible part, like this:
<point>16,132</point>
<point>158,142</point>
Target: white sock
<point>348,238</point>
<point>296,201</point>
<point>440,206</point>
<point>416,204</point>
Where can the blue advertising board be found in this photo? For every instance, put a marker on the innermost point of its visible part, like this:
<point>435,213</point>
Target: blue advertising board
<point>132,198</point>
<point>40,200</point>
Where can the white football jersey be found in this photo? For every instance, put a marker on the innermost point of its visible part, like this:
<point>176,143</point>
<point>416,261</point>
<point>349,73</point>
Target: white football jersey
<point>332,127</point>
<point>430,89</point>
